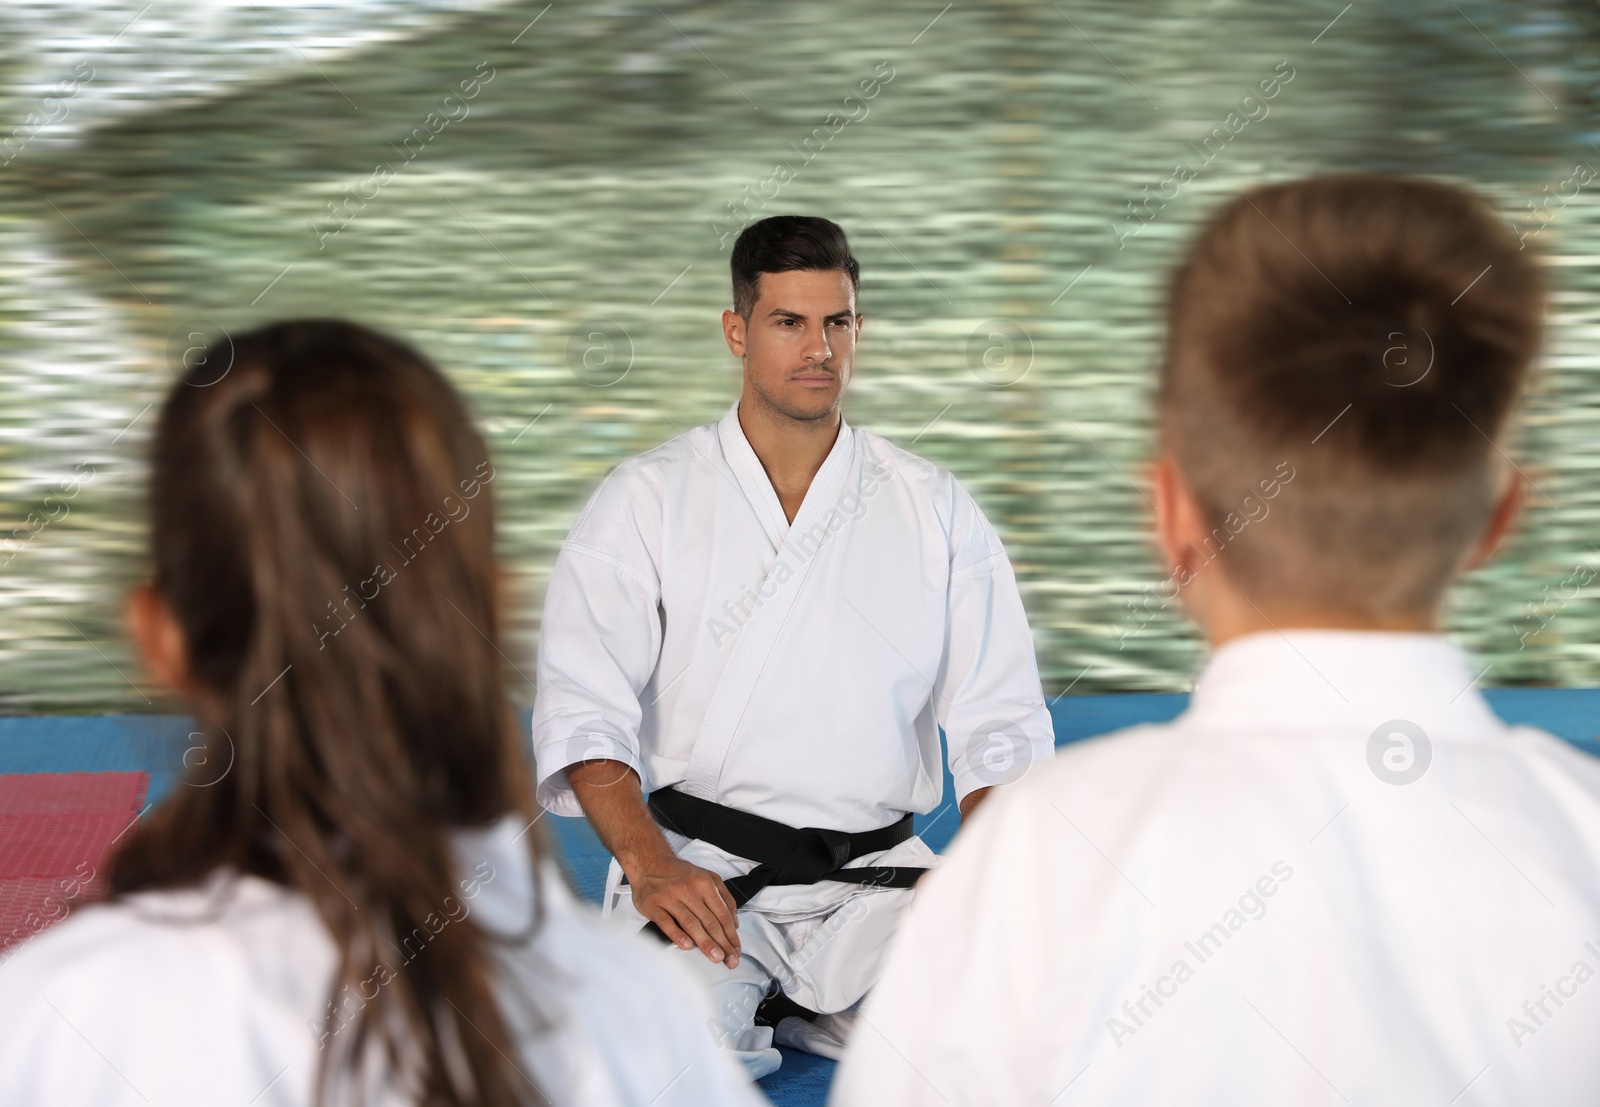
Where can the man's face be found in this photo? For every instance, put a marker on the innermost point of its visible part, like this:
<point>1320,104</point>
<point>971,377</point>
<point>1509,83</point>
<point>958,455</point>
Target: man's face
<point>799,344</point>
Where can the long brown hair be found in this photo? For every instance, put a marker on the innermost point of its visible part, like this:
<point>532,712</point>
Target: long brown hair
<point>323,533</point>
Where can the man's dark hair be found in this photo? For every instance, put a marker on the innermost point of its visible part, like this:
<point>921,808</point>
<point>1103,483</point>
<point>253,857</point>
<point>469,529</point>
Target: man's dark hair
<point>1372,333</point>
<point>784,243</point>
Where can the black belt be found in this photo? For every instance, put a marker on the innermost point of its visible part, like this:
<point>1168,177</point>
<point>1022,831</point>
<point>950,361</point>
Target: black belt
<point>783,854</point>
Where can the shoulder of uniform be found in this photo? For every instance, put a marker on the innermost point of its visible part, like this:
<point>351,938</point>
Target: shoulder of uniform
<point>902,464</point>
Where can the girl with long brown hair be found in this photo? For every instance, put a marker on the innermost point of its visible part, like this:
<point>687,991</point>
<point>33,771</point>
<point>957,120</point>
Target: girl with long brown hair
<point>344,900</point>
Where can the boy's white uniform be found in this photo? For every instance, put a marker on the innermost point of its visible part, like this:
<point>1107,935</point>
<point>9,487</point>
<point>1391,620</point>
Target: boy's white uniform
<point>1250,905</point>
<point>798,672</point>
<point>211,996</point>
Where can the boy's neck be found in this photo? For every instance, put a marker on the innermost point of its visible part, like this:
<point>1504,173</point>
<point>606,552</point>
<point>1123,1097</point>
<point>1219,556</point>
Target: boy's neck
<point>1229,620</point>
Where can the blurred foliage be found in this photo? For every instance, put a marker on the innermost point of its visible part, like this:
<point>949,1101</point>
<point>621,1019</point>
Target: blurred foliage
<point>187,184</point>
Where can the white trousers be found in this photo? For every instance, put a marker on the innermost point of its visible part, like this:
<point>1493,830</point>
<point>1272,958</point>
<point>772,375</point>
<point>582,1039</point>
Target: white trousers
<point>825,961</point>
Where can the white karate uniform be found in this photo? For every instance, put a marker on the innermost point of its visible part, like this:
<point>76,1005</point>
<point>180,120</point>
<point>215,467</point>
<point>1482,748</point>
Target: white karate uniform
<point>1251,905</point>
<point>206,997</point>
<point>799,672</point>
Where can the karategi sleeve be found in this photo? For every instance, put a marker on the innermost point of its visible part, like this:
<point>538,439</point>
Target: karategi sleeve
<point>599,641</point>
<point>988,697</point>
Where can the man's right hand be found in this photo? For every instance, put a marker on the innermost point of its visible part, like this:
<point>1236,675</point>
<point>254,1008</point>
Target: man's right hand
<point>691,905</point>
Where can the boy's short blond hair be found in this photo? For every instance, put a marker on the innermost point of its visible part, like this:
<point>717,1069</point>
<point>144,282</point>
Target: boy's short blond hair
<point>1373,333</point>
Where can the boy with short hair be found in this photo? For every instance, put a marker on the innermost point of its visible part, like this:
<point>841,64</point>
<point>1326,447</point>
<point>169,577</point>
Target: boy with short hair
<point>1337,877</point>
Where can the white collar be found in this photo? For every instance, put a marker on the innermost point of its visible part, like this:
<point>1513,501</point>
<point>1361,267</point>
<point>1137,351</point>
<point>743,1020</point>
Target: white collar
<point>757,486</point>
<point>494,874</point>
<point>1335,679</point>
<point>494,884</point>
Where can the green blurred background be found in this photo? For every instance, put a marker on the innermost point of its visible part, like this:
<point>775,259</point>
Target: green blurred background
<point>566,230</point>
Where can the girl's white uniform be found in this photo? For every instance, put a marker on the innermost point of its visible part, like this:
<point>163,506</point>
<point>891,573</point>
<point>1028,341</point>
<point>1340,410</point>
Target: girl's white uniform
<point>219,995</point>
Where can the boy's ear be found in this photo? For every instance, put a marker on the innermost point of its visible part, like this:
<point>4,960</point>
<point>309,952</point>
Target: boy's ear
<point>158,638</point>
<point>1179,526</point>
<point>1502,522</point>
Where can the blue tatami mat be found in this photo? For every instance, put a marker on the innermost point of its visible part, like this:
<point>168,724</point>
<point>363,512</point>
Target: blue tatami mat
<point>157,744</point>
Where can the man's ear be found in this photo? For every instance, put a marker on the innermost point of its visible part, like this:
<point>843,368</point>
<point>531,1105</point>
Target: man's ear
<point>159,638</point>
<point>1502,522</point>
<point>733,332</point>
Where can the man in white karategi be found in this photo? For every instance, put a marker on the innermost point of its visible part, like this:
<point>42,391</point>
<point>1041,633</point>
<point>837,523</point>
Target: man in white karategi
<point>762,624</point>
<point>1337,878</point>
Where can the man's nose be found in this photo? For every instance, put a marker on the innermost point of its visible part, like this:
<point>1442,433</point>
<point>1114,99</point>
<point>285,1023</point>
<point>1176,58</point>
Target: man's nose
<point>817,348</point>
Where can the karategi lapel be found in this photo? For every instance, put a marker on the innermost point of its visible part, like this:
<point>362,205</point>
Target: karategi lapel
<point>760,632</point>
<point>752,476</point>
